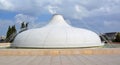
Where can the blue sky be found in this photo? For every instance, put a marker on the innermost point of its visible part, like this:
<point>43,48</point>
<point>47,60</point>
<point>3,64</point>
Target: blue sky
<point>99,16</point>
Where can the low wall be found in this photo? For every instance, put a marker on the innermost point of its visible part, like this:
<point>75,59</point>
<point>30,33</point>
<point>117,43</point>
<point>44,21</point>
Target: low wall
<point>4,44</point>
<point>26,52</point>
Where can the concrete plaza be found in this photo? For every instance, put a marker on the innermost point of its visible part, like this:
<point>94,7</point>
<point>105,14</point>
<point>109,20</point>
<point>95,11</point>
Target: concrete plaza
<point>61,60</point>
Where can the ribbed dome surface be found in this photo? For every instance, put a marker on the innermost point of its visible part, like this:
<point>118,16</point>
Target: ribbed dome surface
<point>57,34</point>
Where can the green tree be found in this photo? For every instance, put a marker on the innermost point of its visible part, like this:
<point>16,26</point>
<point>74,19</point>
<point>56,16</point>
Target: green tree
<point>14,29</point>
<point>26,25</point>
<point>9,32</point>
<point>117,37</point>
<point>23,25</point>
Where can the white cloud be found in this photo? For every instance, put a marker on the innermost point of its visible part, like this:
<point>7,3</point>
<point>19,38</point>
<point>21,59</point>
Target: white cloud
<point>80,12</point>
<point>83,8</point>
<point>25,18</point>
<point>52,9</point>
<point>33,23</point>
<point>34,7</point>
<point>6,5</point>
<point>93,10</point>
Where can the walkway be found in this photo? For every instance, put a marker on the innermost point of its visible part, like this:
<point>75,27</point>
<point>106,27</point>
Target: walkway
<point>61,60</point>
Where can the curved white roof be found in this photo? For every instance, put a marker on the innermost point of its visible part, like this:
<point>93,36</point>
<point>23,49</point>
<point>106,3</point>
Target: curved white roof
<point>57,34</point>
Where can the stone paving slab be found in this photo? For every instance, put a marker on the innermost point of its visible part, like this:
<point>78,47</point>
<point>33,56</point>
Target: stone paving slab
<point>37,52</point>
<point>61,60</point>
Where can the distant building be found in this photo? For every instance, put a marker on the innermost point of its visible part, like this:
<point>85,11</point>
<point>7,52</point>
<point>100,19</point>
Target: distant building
<point>2,38</point>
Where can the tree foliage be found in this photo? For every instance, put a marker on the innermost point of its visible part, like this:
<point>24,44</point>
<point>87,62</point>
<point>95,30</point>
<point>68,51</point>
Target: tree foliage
<point>11,30</point>
<point>24,26</point>
<point>117,37</point>
<point>14,29</point>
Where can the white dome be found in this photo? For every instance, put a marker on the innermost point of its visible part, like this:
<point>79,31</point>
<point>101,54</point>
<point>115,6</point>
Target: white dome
<point>57,34</point>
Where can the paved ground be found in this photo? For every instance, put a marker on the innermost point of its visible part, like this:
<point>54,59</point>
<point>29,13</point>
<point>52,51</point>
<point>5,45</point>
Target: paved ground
<point>61,60</point>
